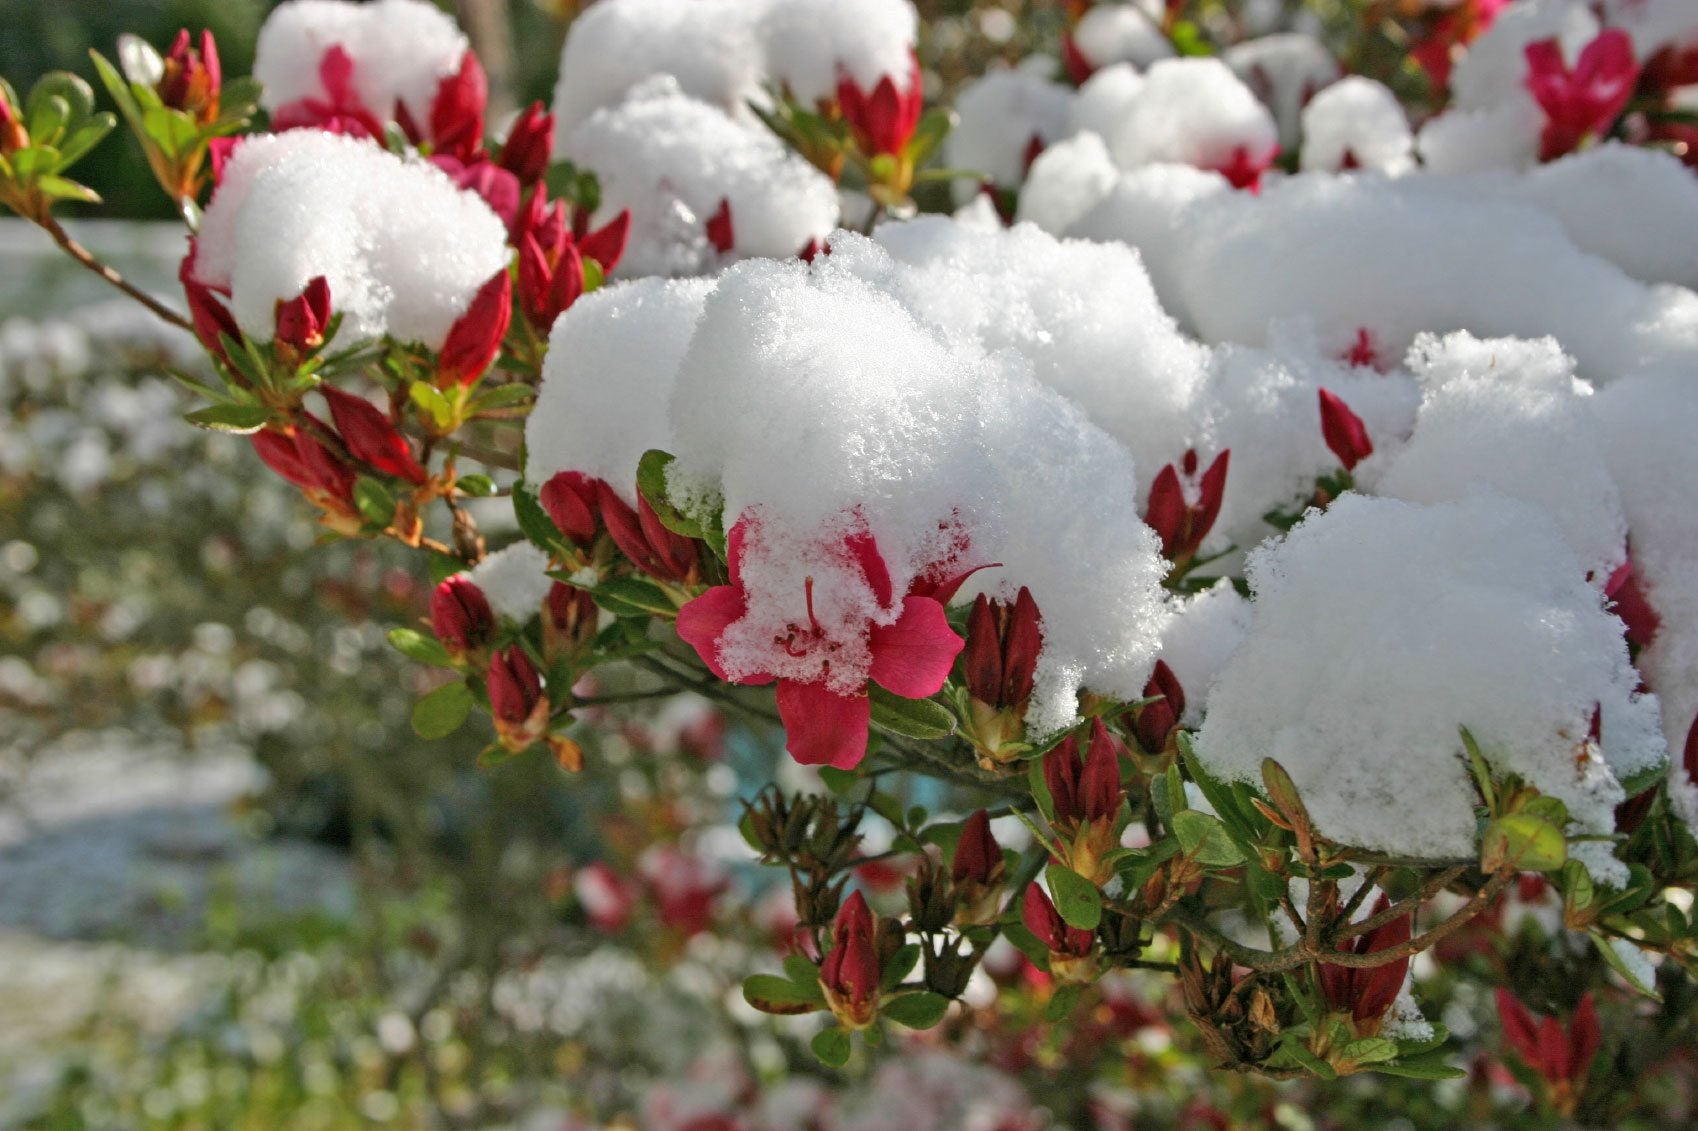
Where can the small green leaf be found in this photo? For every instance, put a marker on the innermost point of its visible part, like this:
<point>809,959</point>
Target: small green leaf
<point>630,596</point>
<point>1371,1050</point>
<point>799,970</point>
<point>1077,898</point>
<point>1428,1066</point>
<point>1040,789</point>
<point>912,718</point>
<point>772,994</point>
<point>1061,1004</point>
<point>443,711</point>
<point>901,964</point>
<point>1523,842</point>
<point>593,275</point>
<point>832,1047</point>
<point>415,645</point>
<point>238,418</point>
<point>432,403</point>
<point>374,502</point>
<point>1205,839</point>
<point>651,484</point>
<point>533,520</point>
<point>919,1010</point>
<point>477,486</point>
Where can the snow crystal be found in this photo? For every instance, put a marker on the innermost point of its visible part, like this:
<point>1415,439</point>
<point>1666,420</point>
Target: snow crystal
<point>1399,257</point>
<point>1285,71</point>
<point>606,380</point>
<point>1193,112</point>
<point>515,580</point>
<point>711,48</point>
<point>1648,425</point>
<point>1360,119</point>
<point>1085,316</point>
<point>1506,413</point>
<point>1002,117</point>
<point>809,43</point>
<point>1120,33</point>
<point>1068,180</point>
<point>672,160</point>
<point>403,249</point>
<point>813,399</point>
<point>401,51</point>
<point>1104,99</point>
<point>1149,208</point>
<point>1201,636</point>
<point>1380,627</point>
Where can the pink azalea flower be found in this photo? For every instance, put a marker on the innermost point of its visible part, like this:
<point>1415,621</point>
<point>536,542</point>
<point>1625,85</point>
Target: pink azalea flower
<point>340,111</point>
<point>825,726</point>
<point>1583,102</point>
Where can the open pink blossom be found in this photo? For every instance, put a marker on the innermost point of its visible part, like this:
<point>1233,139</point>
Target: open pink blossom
<point>1583,102</point>
<point>824,726</point>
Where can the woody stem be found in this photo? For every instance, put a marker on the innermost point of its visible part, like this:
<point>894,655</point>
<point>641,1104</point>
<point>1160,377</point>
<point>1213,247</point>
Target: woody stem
<point>82,255</point>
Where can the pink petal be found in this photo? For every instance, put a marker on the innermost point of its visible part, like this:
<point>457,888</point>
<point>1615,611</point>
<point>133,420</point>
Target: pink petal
<point>704,620</point>
<point>821,727</point>
<point>864,549</point>
<point>912,657</point>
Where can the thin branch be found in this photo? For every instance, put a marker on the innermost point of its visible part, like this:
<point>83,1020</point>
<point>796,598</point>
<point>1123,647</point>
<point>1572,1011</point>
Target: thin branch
<point>1403,906</point>
<point>82,255</point>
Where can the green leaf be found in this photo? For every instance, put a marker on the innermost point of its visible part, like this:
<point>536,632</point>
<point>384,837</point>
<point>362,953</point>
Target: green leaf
<point>1061,1004</point>
<point>415,645</point>
<point>1294,1048</point>
<point>651,484</point>
<point>901,964</point>
<point>172,131</point>
<point>838,781</point>
<point>85,137</point>
<point>919,1010</point>
<point>476,485</point>
<point>47,115</point>
<point>1040,789</point>
<point>799,970</point>
<point>1523,842</point>
<point>443,711</point>
<point>503,396</point>
<point>62,188</point>
<point>772,994</point>
<point>832,1047</point>
<point>374,502</point>
<point>70,89</point>
<point>633,597</point>
<point>238,418</point>
<point>1428,1066</point>
<point>1077,898</point>
<point>1205,839</point>
<point>913,718</point>
<point>1607,951</point>
<point>432,403</point>
<point>533,520</point>
<point>593,275</point>
<point>933,127</point>
<point>1371,1050</point>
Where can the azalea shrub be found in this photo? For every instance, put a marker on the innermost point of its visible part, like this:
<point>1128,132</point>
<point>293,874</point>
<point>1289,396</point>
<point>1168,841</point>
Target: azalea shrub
<point>1229,559</point>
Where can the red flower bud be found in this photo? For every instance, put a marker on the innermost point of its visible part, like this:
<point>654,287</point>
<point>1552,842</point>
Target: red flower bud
<point>340,112</point>
<point>1559,1057</point>
<point>850,973</point>
<point>460,616</point>
<point>1344,431</point>
<point>1689,757</point>
<point>207,311</point>
<point>548,284</point>
<point>720,232</point>
<point>570,500</point>
<point>883,121</point>
<point>302,320</point>
<point>568,621</point>
<point>515,688</point>
<point>606,245</point>
<point>1180,524</point>
<point>978,859</point>
<point>1624,592</point>
<point>498,188</point>
<point>474,341</point>
<point>813,249</point>
<point>1583,102</point>
<point>643,538</point>
<point>1079,69</point>
<point>371,436</point>
<point>1155,722</point>
<point>301,459</point>
<point>1368,992</point>
<point>456,114</point>
<point>1002,648</point>
<point>1088,792</point>
<point>192,79</point>
<point>529,145</point>
<point>1043,920</point>
<point>1243,170</point>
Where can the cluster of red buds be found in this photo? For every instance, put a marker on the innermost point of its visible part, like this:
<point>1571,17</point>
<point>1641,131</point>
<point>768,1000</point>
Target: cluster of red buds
<point>1560,1058</point>
<point>582,507</point>
<point>1086,797</point>
<point>1367,993</point>
<point>552,258</point>
<point>1071,949</point>
<point>997,666</point>
<point>1183,507</point>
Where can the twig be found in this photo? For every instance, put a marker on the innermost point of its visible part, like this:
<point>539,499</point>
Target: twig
<point>82,255</point>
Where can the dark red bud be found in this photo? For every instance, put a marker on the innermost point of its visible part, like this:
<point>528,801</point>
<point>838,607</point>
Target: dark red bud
<point>1155,722</point>
<point>570,500</point>
<point>460,615</point>
<point>1043,920</point>
<point>456,114</point>
<point>720,232</point>
<point>1099,784</point>
<point>977,856</point>
<point>371,436</point>
<point>302,320</point>
<point>515,687</point>
<point>1061,776</point>
<point>529,145</point>
<point>606,245</point>
<point>474,342</point>
<point>850,972</point>
<point>1344,431</point>
<point>1627,596</point>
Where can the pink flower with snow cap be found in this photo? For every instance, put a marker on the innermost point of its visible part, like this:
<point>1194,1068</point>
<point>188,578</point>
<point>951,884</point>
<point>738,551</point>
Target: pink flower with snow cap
<point>819,659</point>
